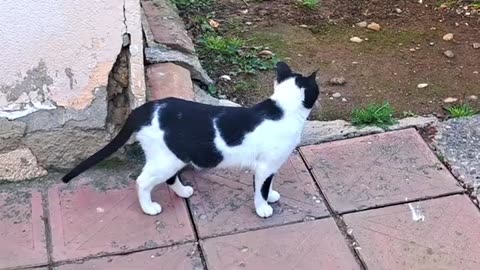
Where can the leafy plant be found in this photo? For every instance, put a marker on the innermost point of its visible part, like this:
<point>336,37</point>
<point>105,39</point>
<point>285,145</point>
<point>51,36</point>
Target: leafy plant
<point>188,5</point>
<point>218,52</point>
<point>310,4</point>
<point>380,115</point>
<point>463,110</point>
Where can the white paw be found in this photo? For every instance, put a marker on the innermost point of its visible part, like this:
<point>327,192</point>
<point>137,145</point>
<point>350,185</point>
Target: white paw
<point>152,209</point>
<point>186,192</point>
<point>273,196</point>
<point>264,210</point>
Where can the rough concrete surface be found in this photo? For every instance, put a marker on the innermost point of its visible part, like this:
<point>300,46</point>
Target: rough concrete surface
<point>11,133</point>
<point>64,149</point>
<point>458,141</point>
<point>18,165</point>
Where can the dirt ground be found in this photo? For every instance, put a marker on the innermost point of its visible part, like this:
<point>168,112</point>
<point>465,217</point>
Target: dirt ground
<point>387,66</point>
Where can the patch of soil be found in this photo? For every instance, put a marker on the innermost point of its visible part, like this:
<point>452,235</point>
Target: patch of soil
<point>387,66</point>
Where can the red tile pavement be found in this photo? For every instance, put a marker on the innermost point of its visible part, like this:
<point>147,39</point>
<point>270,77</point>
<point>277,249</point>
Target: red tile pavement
<point>182,257</point>
<point>447,238</point>
<point>22,230</point>
<point>86,222</point>
<point>223,200</point>
<point>311,245</point>
<point>378,170</point>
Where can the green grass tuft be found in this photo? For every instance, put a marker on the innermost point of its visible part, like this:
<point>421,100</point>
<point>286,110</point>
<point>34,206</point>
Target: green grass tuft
<point>380,115</point>
<point>190,5</point>
<point>232,53</point>
<point>463,110</point>
<point>311,4</point>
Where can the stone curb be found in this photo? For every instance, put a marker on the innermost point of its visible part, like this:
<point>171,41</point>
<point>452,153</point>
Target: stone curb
<point>316,132</point>
<point>167,39</point>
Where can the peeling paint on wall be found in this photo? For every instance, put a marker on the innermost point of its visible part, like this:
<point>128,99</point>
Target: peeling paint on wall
<point>28,94</point>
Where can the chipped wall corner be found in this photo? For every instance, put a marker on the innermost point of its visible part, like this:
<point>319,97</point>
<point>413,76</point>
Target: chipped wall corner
<point>65,92</point>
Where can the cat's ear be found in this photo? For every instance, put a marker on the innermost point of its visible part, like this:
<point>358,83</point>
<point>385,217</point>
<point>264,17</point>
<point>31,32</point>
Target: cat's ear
<point>313,76</point>
<point>283,72</point>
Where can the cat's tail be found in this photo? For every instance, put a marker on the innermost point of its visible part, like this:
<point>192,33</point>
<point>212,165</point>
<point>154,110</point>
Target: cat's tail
<point>132,124</point>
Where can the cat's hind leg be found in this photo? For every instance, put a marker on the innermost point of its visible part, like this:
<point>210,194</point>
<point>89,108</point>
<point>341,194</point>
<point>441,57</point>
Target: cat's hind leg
<point>176,185</point>
<point>152,175</point>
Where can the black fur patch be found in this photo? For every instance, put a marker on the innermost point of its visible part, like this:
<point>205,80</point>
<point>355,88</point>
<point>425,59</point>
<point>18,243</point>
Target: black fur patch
<point>172,180</point>
<point>235,124</point>
<point>190,133</point>
<point>266,187</point>
<point>310,87</point>
<point>283,72</point>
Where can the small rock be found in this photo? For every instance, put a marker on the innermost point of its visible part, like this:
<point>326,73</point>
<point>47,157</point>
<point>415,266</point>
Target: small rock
<point>244,11</point>
<point>450,100</point>
<point>448,37</point>
<point>248,23</point>
<point>265,53</point>
<point>374,26</point>
<point>362,24</point>
<point>337,81</point>
<point>303,26</point>
<point>413,50</point>
<point>422,85</point>
<point>336,95</point>
<point>398,10</point>
<point>344,99</point>
<point>225,78</point>
<point>473,97</point>
<point>431,43</point>
<point>356,39</point>
<point>476,45</point>
<point>449,54</point>
<point>213,23</point>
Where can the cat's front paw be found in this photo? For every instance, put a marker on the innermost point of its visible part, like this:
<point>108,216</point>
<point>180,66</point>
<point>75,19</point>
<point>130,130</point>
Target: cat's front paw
<point>273,196</point>
<point>185,192</point>
<point>264,210</point>
<point>152,209</point>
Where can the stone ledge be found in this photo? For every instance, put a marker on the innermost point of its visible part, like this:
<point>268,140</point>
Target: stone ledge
<point>169,80</point>
<point>161,54</point>
<point>19,165</point>
<point>316,132</point>
<point>164,26</point>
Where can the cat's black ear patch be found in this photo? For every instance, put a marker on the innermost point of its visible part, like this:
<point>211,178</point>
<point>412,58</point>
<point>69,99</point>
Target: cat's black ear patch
<point>313,76</point>
<point>283,72</point>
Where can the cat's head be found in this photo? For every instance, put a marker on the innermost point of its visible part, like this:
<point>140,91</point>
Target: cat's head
<point>296,87</point>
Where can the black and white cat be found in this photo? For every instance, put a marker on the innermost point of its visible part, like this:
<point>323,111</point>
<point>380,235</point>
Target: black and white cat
<point>175,133</point>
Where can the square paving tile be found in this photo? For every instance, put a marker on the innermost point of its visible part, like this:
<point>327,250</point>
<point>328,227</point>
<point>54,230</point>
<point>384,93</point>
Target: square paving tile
<point>22,230</point>
<point>87,221</point>
<point>378,170</point>
<point>182,257</point>
<point>436,234</point>
<point>310,245</point>
<point>223,199</point>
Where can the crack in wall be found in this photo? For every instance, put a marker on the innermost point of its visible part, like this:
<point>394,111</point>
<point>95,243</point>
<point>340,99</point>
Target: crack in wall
<point>118,89</point>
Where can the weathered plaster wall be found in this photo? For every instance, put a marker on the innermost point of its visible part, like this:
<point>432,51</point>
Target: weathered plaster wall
<point>56,59</point>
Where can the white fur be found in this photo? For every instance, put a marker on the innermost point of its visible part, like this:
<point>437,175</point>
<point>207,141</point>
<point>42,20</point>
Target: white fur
<point>264,150</point>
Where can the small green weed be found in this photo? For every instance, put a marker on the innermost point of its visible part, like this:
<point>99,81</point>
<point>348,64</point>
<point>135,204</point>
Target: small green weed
<point>311,4</point>
<point>232,53</point>
<point>380,115</point>
<point>463,110</point>
<point>189,5</point>
<point>409,114</point>
<point>475,4</point>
